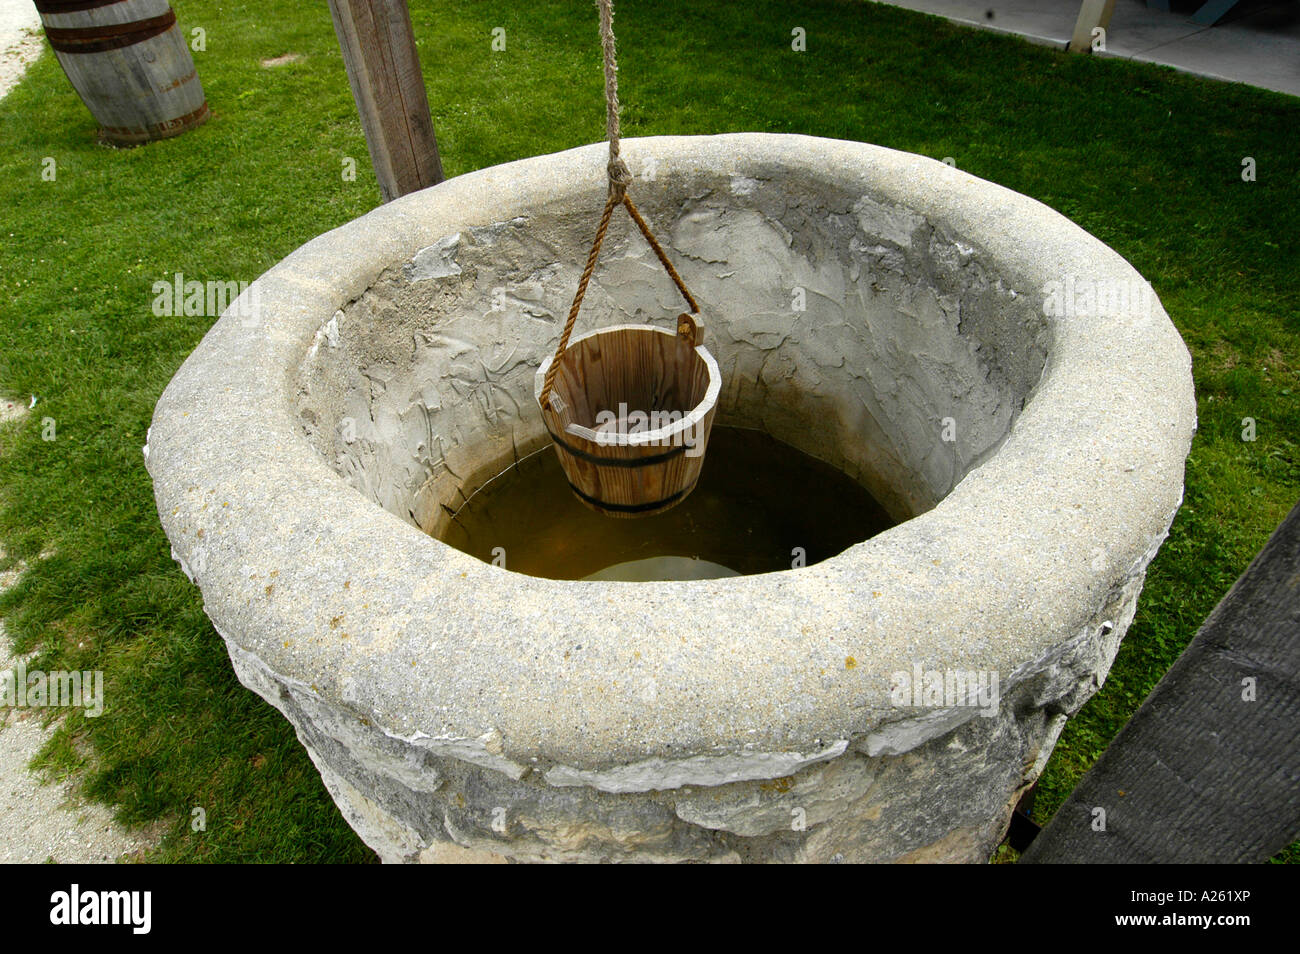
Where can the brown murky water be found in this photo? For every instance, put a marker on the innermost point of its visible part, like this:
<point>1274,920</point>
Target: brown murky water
<point>758,503</point>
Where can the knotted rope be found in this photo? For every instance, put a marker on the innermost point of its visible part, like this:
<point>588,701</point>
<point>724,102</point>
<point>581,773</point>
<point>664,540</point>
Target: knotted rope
<point>619,176</point>
<point>619,179</point>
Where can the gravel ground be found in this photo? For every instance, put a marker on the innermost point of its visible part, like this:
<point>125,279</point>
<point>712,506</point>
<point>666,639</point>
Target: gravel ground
<point>42,822</point>
<point>20,40</point>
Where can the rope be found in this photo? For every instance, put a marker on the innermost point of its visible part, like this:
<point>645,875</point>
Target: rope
<point>663,256</point>
<point>577,299</point>
<point>619,179</point>
<point>619,176</point>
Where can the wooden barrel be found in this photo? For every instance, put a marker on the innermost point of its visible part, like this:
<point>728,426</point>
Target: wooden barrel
<point>630,413</point>
<point>130,64</point>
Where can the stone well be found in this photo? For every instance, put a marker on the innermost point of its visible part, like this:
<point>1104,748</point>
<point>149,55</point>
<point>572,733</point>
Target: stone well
<point>1004,383</point>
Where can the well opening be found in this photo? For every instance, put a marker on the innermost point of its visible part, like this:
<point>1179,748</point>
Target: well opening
<point>855,331</point>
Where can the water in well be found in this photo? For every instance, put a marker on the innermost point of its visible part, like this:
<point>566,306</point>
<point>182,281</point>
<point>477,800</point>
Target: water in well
<point>759,506</point>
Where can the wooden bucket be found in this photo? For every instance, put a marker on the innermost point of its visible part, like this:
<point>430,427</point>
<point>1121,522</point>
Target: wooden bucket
<point>130,64</point>
<point>630,413</point>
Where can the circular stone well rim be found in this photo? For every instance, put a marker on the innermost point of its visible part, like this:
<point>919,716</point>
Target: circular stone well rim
<point>635,687</point>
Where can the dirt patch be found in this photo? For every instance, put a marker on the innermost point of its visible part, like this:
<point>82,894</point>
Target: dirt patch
<point>282,60</point>
<point>12,411</point>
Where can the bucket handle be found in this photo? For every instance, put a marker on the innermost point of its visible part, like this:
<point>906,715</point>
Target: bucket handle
<point>688,323</point>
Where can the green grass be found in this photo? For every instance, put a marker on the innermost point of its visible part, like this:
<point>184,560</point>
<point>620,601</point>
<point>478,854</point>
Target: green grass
<point>1146,159</point>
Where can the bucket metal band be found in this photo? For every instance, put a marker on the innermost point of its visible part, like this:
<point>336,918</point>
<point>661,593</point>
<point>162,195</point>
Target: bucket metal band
<point>633,508</point>
<point>111,37</point>
<point>617,461</point>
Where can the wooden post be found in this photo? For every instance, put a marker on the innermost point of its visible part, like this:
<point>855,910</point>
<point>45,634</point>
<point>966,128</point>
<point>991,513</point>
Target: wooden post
<point>1205,771</point>
<point>1092,14</point>
<point>383,67</point>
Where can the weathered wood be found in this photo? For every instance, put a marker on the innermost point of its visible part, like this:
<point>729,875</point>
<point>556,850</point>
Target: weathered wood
<point>1201,773</point>
<point>1092,14</point>
<point>383,65</point>
<point>130,63</point>
<point>641,398</point>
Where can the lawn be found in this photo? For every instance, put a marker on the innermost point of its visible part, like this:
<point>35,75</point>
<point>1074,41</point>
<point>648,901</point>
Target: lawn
<point>1148,160</point>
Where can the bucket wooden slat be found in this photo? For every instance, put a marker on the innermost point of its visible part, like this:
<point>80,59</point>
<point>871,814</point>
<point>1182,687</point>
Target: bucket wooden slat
<point>629,467</point>
<point>130,64</point>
